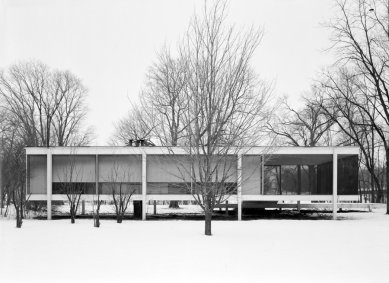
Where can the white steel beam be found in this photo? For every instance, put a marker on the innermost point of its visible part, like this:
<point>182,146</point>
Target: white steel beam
<point>131,150</point>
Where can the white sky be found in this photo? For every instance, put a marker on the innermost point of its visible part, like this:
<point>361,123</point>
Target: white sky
<point>110,44</point>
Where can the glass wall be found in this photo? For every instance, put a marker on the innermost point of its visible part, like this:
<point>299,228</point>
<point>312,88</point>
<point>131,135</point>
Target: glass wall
<point>289,179</point>
<point>311,179</point>
<point>36,174</point>
<point>169,174</point>
<point>348,176</point>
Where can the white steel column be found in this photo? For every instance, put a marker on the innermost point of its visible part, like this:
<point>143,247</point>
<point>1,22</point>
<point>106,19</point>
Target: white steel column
<point>49,182</point>
<point>263,175</point>
<point>334,185</point>
<point>97,174</point>
<point>239,184</point>
<point>144,186</point>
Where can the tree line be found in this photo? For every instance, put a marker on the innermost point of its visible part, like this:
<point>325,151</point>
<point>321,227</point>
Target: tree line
<point>348,101</point>
<point>39,106</point>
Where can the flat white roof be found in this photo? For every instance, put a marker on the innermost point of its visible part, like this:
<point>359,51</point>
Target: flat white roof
<point>157,150</point>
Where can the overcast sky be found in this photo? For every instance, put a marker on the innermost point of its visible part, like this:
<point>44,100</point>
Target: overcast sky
<point>110,44</point>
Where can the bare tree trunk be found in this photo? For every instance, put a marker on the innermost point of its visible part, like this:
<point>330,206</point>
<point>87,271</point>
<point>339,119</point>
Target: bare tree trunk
<point>97,215</point>
<point>22,203</point>
<point>6,210</point>
<point>72,213</point>
<point>208,222</point>
<point>387,180</point>
<point>21,212</point>
<point>1,199</point>
<point>18,218</point>
<point>97,220</point>
<point>17,204</point>
<point>372,188</point>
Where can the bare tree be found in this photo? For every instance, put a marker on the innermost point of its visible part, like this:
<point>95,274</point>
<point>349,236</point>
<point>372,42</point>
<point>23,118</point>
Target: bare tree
<point>2,151</point>
<point>71,112</point>
<point>308,126</point>
<point>32,95</point>
<point>42,107</point>
<point>48,105</point>
<point>361,39</point>
<point>340,98</point>
<point>8,135</point>
<point>96,213</point>
<point>69,184</point>
<point>121,190</point>
<point>14,171</point>
<point>225,106</point>
<point>160,115</point>
<point>136,126</point>
<point>164,99</point>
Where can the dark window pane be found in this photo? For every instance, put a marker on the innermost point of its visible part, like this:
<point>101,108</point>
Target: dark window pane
<point>272,181</point>
<point>73,188</point>
<point>348,176</point>
<point>126,188</point>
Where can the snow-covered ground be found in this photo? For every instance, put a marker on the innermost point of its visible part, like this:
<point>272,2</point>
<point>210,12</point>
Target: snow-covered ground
<point>354,249</point>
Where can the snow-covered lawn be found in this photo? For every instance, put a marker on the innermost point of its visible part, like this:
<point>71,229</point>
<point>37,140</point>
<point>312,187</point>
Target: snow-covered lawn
<point>355,249</point>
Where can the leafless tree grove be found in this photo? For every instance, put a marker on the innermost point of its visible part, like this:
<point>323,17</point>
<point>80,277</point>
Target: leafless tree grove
<point>308,126</point>
<point>358,82</point>
<point>48,105</point>
<point>40,107</point>
<point>337,98</point>
<point>13,173</point>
